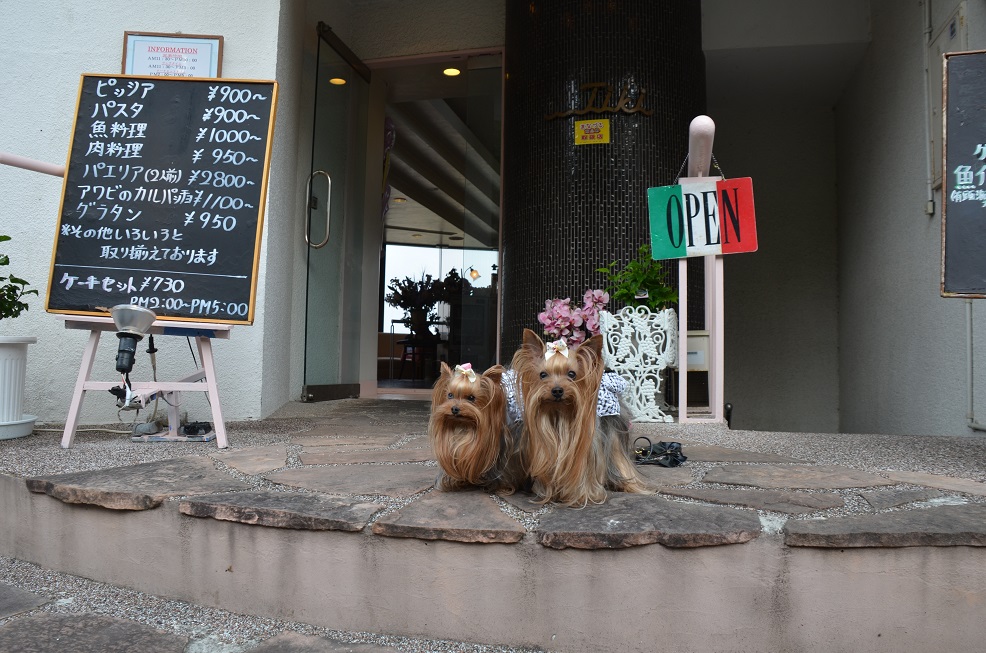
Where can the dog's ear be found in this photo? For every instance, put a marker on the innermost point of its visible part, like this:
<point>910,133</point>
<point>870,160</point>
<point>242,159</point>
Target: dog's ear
<point>495,373</point>
<point>590,357</point>
<point>595,344</point>
<point>531,340</point>
<point>440,390</point>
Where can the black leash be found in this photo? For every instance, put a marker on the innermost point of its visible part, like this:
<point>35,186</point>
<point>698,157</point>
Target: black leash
<point>665,454</point>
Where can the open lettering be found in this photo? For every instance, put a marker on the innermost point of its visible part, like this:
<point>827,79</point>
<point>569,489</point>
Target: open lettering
<point>701,217</point>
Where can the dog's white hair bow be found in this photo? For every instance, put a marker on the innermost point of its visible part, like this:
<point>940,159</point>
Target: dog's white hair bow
<point>556,347</point>
<point>466,370</point>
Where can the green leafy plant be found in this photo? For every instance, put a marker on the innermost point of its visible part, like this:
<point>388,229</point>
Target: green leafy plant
<point>12,290</point>
<point>641,282</point>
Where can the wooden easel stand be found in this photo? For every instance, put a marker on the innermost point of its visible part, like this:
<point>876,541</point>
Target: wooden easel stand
<point>203,379</point>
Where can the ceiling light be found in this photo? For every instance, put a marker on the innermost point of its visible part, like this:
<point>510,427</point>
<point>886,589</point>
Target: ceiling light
<point>400,200</point>
<point>451,72</point>
<point>415,235</point>
<point>337,81</point>
<point>455,237</point>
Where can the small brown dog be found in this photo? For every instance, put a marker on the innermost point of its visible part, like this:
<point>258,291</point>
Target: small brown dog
<point>571,455</point>
<point>468,431</point>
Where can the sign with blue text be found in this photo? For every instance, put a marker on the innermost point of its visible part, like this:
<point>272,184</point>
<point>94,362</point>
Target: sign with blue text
<point>702,216</point>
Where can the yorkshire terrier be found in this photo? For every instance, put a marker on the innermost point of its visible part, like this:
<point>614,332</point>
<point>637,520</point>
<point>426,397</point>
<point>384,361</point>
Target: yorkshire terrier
<point>570,453</point>
<point>469,433</point>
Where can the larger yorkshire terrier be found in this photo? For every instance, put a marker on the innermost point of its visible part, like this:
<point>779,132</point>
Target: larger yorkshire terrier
<point>571,454</point>
<point>469,433</point>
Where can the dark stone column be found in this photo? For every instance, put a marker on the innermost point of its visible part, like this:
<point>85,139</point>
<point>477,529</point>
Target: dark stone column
<point>569,209</point>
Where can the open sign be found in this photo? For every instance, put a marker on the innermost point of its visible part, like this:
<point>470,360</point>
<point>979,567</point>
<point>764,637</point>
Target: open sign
<point>702,216</point>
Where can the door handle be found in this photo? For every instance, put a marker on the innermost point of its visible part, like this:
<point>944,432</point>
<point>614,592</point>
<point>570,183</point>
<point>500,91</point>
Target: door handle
<point>308,206</point>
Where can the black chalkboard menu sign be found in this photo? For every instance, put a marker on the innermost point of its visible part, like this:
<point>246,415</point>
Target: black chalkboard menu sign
<point>964,176</point>
<point>163,200</point>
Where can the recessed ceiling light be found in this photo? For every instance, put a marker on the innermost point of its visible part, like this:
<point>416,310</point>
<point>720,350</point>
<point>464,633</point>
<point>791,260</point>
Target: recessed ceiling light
<point>415,235</point>
<point>400,200</point>
<point>455,237</point>
<point>337,81</point>
<point>451,72</point>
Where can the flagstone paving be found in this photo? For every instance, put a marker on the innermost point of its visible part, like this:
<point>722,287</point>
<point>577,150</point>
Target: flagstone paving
<point>138,487</point>
<point>820,477</point>
<point>255,460</point>
<point>73,633</point>
<point>387,480</point>
<point>371,441</point>
<point>938,481</point>
<point>370,469</point>
<point>284,510</point>
<point>938,526</point>
<point>884,499</point>
<point>774,500</point>
<point>14,601</point>
<point>627,520</point>
<point>468,516</point>
<point>357,457</point>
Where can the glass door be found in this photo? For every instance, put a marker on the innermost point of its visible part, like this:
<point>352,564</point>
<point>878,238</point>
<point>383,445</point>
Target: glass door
<point>442,215</point>
<point>473,317</point>
<point>333,232</point>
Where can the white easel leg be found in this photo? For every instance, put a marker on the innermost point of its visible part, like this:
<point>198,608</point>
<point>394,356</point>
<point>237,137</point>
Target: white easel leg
<point>75,408</point>
<point>209,367</point>
<point>174,417</point>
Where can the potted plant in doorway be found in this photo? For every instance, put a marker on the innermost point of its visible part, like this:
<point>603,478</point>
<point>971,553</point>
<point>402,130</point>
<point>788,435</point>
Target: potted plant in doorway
<point>418,298</point>
<point>13,355</point>
<point>641,339</point>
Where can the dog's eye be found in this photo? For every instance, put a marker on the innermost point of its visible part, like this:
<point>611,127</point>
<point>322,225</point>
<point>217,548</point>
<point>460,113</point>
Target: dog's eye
<point>571,374</point>
<point>450,395</point>
<point>544,375</point>
<point>471,397</point>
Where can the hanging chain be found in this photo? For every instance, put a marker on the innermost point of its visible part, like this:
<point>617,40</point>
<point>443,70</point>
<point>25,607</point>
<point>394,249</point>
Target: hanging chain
<point>715,164</point>
<point>680,169</point>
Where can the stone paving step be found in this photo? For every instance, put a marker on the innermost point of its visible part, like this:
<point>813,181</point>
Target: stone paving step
<point>938,526</point>
<point>14,600</point>
<point>774,500</point>
<point>816,477</point>
<point>387,480</point>
<point>627,520</point>
<point>138,487</point>
<point>468,516</point>
<point>85,633</point>
<point>284,510</point>
<point>885,499</point>
<point>356,457</point>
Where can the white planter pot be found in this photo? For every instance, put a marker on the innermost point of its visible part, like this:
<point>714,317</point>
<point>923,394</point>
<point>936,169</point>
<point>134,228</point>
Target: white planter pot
<point>13,369</point>
<point>639,345</point>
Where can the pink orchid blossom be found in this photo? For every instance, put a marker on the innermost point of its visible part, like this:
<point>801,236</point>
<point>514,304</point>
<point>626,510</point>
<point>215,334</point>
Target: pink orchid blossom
<point>562,321</point>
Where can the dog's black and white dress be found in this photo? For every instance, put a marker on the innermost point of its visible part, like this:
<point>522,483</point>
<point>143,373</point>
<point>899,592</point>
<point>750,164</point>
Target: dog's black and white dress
<point>611,388</point>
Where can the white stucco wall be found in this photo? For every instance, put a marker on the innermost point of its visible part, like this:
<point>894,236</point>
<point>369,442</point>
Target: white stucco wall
<point>902,346</point>
<point>45,47</point>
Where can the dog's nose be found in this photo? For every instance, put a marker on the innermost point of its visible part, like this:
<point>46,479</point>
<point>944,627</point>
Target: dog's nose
<point>455,410</point>
<point>557,392</point>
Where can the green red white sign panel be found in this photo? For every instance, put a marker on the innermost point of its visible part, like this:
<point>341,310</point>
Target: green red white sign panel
<point>702,216</point>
